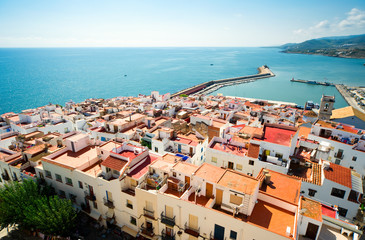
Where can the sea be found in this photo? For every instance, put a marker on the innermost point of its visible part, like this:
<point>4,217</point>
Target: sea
<point>33,77</point>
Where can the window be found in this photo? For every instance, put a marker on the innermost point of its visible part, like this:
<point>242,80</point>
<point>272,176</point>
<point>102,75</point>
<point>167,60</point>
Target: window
<point>80,185</point>
<point>354,158</point>
<point>351,167</point>
<point>230,165</point>
<point>58,178</point>
<point>133,220</point>
<point>107,169</point>
<point>69,181</point>
<point>251,162</point>
<point>311,192</point>
<point>338,161</point>
<point>95,205</point>
<point>338,192</point>
<point>174,174</point>
<point>201,150</point>
<point>235,199</point>
<point>214,159</point>
<point>156,149</point>
<point>279,155</point>
<point>233,235</point>
<point>48,174</point>
<point>62,194</point>
<point>129,204</point>
<point>238,166</point>
<point>73,198</point>
<point>342,211</point>
<point>116,172</point>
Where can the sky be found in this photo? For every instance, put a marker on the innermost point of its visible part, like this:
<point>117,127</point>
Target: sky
<point>174,23</point>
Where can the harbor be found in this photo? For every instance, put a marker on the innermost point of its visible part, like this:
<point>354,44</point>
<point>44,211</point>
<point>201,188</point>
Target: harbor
<point>211,86</point>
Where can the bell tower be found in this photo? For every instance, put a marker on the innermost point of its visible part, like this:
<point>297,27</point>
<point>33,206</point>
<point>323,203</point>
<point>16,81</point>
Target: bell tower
<point>325,110</point>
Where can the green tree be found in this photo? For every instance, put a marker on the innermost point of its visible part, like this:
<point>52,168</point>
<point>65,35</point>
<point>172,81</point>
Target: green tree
<point>31,205</point>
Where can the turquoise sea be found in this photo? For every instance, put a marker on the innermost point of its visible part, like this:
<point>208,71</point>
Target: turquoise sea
<point>34,77</point>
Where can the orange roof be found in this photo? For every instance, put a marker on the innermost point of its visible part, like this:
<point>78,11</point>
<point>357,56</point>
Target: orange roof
<point>239,182</point>
<point>304,131</point>
<point>311,209</point>
<point>186,168</point>
<point>253,150</point>
<point>209,172</point>
<point>282,186</point>
<point>114,163</point>
<point>338,174</point>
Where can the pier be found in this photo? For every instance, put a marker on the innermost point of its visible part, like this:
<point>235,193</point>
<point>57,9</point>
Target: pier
<point>211,86</point>
<point>312,82</point>
<point>348,98</point>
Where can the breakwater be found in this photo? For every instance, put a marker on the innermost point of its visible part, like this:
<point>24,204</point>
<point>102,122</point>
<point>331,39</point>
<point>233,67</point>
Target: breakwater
<point>211,86</point>
<point>312,82</point>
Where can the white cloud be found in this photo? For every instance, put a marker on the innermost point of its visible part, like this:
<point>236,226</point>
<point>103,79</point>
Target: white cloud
<point>354,23</point>
<point>356,18</point>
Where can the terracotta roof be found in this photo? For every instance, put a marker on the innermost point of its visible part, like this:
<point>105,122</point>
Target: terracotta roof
<point>338,174</point>
<point>210,172</point>
<point>347,112</point>
<point>186,168</point>
<point>311,209</point>
<point>239,182</point>
<point>114,163</point>
<point>253,150</point>
<point>281,186</point>
<point>304,131</point>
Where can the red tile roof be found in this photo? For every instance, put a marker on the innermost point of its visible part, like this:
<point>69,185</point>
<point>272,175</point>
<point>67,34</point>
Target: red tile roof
<point>278,135</point>
<point>338,174</point>
<point>143,168</point>
<point>114,163</point>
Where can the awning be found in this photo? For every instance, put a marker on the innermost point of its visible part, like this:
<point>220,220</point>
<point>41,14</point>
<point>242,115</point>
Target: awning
<point>129,230</point>
<point>94,214</point>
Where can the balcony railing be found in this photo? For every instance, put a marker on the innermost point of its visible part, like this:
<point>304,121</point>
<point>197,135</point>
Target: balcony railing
<point>191,231</point>
<point>147,231</point>
<point>109,203</point>
<point>339,155</point>
<point>167,220</point>
<point>90,196</point>
<point>166,236</point>
<point>149,213</point>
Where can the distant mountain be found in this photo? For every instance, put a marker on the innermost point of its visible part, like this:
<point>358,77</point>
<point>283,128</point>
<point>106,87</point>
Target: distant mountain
<point>339,46</point>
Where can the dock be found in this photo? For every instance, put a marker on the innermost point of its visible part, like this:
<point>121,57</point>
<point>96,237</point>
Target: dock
<point>211,86</point>
<point>312,82</point>
<point>348,98</point>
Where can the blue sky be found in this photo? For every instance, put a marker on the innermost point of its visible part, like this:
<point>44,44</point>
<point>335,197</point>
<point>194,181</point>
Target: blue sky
<point>146,23</point>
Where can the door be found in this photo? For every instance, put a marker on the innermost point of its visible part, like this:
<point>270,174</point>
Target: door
<point>312,230</point>
<point>73,146</point>
<point>219,193</point>
<point>191,151</point>
<point>91,190</point>
<point>179,148</point>
<point>169,231</point>
<point>230,165</point>
<point>218,232</point>
<point>187,182</point>
<point>193,222</point>
<point>169,212</point>
<point>209,189</point>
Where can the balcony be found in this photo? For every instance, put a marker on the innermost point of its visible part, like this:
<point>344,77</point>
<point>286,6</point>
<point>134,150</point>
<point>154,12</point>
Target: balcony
<point>148,231</point>
<point>339,156</point>
<point>90,196</point>
<point>149,213</point>
<point>166,236</point>
<point>167,220</point>
<point>191,231</point>
<point>108,203</point>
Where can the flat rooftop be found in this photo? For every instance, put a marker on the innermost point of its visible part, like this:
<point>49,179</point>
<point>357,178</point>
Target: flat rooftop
<point>109,146</point>
<point>185,168</point>
<point>228,148</point>
<point>76,159</point>
<point>311,209</point>
<point>272,218</point>
<point>282,187</point>
<point>210,172</point>
<point>238,182</point>
<point>278,135</point>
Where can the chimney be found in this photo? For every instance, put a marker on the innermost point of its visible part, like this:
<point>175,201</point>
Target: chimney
<point>267,179</point>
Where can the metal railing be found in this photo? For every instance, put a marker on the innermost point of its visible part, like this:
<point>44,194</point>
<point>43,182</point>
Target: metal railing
<point>167,220</point>
<point>192,231</point>
<point>147,231</point>
<point>109,203</point>
<point>148,213</point>
<point>90,196</point>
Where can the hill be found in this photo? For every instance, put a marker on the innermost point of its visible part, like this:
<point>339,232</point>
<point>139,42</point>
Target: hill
<point>340,46</point>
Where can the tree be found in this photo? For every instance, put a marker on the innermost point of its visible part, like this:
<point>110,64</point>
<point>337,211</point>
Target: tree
<point>33,206</point>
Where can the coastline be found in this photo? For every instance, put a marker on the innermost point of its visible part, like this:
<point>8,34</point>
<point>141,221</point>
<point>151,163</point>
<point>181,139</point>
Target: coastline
<point>326,55</point>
